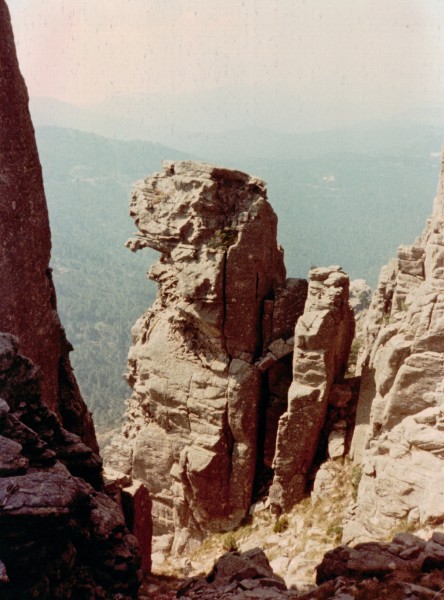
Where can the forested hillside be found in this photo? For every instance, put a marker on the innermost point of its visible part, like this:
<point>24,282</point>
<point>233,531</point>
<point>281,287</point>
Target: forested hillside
<point>101,287</point>
<point>348,209</point>
<point>335,207</point>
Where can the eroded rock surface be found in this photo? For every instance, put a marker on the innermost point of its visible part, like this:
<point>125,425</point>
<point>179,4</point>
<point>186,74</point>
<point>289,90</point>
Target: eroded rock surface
<point>28,303</point>
<point>398,437</point>
<point>61,537</point>
<point>323,336</point>
<point>238,575</point>
<point>220,329</point>
<point>407,567</point>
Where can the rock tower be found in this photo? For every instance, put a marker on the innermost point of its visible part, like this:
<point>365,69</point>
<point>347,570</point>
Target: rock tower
<point>211,360</point>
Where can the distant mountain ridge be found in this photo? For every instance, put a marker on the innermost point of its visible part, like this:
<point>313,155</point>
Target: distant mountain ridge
<point>178,120</point>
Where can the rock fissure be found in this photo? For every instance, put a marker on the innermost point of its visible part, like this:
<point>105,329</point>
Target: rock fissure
<point>224,305</point>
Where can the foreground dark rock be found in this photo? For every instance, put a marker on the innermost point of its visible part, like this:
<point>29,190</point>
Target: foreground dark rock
<point>238,575</point>
<point>28,303</point>
<point>408,567</point>
<point>61,537</point>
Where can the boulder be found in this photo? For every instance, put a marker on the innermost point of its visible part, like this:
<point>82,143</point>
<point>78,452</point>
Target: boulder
<point>237,575</point>
<point>407,567</point>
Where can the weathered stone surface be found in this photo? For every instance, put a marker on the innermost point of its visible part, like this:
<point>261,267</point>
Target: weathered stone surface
<point>238,575</point>
<point>408,567</point>
<point>196,364</point>
<point>288,306</point>
<point>402,477</point>
<point>60,537</point>
<point>398,438</point>
<point>11,460</point>
<point>323,337</point>
<point>336,442</point>
<point>32,435</point>
<point>28,303</point>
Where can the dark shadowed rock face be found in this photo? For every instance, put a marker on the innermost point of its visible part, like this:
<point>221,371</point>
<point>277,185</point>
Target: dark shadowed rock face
<point>407,567</point>
<point>61,537</point>
<point>28,306</point>
<point>238,575</point>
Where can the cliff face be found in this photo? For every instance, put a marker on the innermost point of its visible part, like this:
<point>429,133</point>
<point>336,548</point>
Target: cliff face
<point>28,306</point>
<point>399,433</point>
<point>211,361</point>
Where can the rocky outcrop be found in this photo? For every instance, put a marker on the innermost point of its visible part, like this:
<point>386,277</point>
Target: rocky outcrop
<point>211,361</point>
<point>28,306</point>
<point>238,575</point>
<point>61,537</point>
<point>134,500</point>
<point>323,336</point>
<point>196,365</point>
<point>398,437</point>
<point>408,567</point>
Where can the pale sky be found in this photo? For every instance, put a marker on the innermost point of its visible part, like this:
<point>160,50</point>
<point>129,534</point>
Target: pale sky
<point>367,57</point>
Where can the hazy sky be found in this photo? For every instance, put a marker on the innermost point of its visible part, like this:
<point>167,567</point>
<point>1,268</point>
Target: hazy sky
<point>351,57</point>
